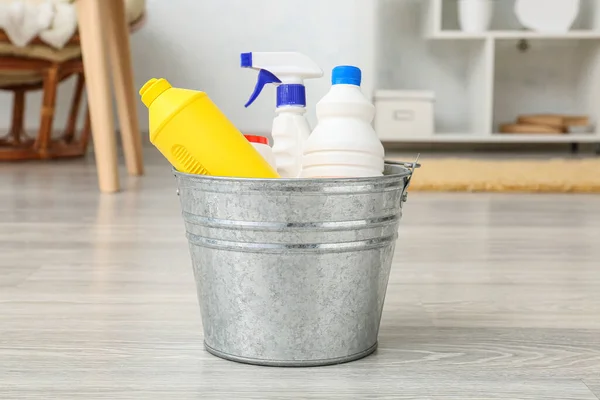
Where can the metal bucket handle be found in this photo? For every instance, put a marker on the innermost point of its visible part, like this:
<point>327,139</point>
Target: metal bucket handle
<point>411,166</point>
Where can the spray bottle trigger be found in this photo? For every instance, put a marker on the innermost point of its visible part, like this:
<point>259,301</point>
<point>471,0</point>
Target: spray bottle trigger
<point>264,77</point>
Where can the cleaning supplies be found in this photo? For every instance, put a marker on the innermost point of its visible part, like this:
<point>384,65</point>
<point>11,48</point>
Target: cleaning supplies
<point>344,144</point>
<point>261,144</point>
<point>290,130</point>
<point>195,136</point>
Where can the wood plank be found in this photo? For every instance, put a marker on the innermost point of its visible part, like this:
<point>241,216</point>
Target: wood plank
<point>491,296</point>
<point>330,383</point>
<point>594,386</point>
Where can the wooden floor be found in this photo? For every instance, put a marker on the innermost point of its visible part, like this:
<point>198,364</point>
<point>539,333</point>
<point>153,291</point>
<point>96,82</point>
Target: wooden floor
<point>491,296</point>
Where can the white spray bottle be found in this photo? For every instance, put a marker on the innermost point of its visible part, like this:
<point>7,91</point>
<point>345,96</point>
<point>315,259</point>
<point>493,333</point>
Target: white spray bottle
<point>287,70</point>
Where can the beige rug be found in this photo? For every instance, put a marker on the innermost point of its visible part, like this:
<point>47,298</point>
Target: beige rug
<point>469,175</point>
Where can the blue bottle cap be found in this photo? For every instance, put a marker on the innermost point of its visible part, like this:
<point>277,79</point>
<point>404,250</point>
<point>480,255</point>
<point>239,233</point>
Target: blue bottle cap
<point>291,95</point>
<point>346,75</point>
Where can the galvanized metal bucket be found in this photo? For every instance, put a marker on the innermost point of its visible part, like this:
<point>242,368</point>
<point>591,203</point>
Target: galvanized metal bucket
<point>292,272</point>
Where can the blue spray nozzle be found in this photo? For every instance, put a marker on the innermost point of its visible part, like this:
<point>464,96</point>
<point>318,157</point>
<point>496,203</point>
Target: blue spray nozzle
<point>264,78</point>
<point>287,70</point>
<point>246,60</point>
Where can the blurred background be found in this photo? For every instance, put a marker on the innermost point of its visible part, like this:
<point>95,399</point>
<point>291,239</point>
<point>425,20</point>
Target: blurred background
<point>196,44</point>
<point>494,292</point>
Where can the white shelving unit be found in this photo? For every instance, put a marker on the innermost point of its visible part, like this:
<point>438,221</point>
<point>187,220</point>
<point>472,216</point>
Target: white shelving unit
<point>559,74</point>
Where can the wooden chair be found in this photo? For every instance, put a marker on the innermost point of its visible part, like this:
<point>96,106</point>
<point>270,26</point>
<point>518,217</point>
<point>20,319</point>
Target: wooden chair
<point>16,145</point>
<point>99,22</point>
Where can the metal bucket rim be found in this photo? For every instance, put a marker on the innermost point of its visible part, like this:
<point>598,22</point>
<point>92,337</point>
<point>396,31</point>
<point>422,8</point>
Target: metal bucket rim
<point>402,168</point>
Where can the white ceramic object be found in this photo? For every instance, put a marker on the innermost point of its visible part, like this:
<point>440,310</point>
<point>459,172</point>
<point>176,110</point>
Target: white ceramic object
<point>474,15</point>
<point>545,16</point>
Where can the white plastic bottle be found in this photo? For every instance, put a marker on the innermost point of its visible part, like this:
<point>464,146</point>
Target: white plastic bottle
<point>287,70</point>
<point>290,132</point>
<point>261,144</point>
<point>344,144</point>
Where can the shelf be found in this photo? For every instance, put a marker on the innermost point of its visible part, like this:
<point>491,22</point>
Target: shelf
<point>541,138</point>
<point>483,80</point>
<point>460,35</point>
<point>500,138</point>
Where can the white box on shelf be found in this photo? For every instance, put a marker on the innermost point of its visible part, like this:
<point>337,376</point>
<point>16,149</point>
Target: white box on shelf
<point>403,113</point>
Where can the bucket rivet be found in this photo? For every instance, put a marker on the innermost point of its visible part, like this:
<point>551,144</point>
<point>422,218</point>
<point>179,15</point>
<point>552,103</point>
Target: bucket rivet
<point>177,192</point>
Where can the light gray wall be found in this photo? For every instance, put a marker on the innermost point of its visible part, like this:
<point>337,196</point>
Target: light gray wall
<point>196,44</point>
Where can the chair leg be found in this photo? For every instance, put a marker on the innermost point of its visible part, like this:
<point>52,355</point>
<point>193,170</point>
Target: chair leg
<point>85,133</point>
<point>44,136</point>
<point>92,18</point>
<point>74,113</point>
<point>18,112</point>
<point>120,57</point>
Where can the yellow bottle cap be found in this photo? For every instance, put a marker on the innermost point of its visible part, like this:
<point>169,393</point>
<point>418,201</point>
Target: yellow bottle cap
<point>152,89</point>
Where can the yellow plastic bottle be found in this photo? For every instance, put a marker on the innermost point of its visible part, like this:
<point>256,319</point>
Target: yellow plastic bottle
<point>196,137</point>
